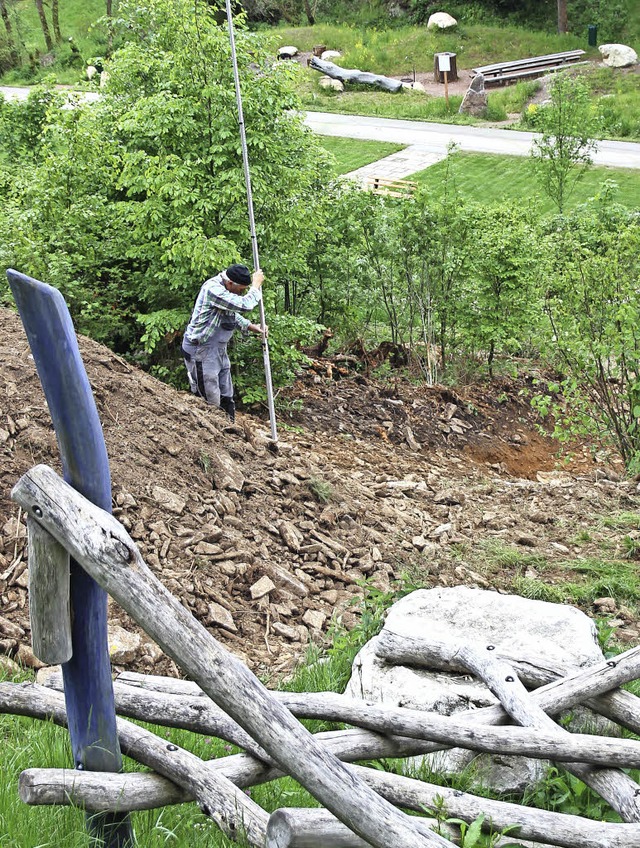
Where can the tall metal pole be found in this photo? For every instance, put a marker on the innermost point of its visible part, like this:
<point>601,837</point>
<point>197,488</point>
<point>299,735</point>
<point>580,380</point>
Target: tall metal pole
<point>252,223</point>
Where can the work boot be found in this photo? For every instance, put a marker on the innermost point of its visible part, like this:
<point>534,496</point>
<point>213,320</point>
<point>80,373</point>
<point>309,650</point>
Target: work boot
<point>229,407</point>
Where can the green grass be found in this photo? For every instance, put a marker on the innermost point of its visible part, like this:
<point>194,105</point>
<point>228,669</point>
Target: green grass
<point>351,154</point>
<point>486,178</point>
<point>397,51</point>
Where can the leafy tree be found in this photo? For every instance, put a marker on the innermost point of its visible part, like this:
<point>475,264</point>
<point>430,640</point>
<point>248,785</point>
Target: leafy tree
<point>501,304</point>
<point>591,263</point>
<point>562,153</point>
<point>130,203</point>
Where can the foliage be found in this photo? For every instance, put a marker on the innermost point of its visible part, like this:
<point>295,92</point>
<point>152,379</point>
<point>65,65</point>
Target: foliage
<point>562,152</point>
<point>591,272</point>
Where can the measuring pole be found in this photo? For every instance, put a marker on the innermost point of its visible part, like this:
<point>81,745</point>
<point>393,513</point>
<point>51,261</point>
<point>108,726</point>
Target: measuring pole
<point>252,223</point>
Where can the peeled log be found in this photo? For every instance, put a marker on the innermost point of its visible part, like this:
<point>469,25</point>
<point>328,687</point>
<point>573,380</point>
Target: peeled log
<point>346,75</point>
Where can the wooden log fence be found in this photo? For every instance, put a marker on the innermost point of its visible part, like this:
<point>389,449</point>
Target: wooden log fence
<point>108,791</point>
<point>230,703</point>
<point>108,554</point>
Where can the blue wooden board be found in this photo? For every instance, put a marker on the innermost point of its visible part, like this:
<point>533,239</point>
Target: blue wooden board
<point>87,676</point>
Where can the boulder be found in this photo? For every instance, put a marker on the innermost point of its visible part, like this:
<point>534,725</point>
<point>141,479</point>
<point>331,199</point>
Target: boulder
<point>560,635</point>
<point>91,71</point>
<point>475,99</point>
<point>441,20</point>
<point>332,84</point>
<point>618,55</point>
<point>413,86</point>
<point>287,52</point>
<point>331,54</point>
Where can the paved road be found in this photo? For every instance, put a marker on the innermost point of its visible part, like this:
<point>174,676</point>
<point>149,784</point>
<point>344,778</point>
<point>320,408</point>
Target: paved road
<point>427,141</point>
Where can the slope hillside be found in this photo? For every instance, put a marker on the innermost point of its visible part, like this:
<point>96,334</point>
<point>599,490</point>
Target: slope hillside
<point>370,482</point>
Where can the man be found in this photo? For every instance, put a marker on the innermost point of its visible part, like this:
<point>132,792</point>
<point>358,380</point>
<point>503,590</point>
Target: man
<point>216,315</point>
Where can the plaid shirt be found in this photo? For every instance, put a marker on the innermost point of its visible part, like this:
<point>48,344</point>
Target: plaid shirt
<point>213,303</point>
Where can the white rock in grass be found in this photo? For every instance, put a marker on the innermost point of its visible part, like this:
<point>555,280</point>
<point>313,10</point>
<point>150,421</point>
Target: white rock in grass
<point>288,52</point>
<point>559,634</point>
<point>328,55</point>
<point>618,55</point>
<point>332,84</point>
<point>441,20</point>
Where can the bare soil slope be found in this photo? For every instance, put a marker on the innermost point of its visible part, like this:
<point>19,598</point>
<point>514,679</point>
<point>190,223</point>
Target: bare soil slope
<point>266,548</point>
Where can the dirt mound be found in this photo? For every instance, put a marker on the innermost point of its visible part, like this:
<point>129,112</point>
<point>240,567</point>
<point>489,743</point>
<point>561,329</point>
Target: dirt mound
<point>266,548</point>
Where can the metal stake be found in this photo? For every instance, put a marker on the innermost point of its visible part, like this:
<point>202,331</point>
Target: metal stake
<point>252,223</point>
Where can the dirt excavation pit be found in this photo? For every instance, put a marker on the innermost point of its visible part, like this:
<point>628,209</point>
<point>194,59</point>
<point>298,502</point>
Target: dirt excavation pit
<point>372,481</point>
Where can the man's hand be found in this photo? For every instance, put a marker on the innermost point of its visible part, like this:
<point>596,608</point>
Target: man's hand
<point>257,328</point>
<point>257,279</point>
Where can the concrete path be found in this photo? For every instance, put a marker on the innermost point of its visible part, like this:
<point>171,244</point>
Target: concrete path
<point>428,140</point>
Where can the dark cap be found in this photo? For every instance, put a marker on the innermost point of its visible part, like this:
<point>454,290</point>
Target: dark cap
<point>239,274</point>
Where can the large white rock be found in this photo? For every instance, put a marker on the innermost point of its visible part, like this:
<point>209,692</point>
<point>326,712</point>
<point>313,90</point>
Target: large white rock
<point>618,55</point>
<point>288,52</point>
<point>334,84</point>
<point>560,635</point>
<point>441,20</point>
<point>329,55</point>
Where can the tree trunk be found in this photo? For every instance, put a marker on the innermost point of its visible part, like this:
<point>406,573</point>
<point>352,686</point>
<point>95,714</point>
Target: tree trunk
<point>7,25</point>
<point>44,24</point>
<point>56,21</point>
<point>309,12</point>
<point>562,15</point>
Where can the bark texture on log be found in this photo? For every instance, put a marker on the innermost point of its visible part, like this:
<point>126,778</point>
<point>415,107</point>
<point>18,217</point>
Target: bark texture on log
<point>49,596</point>
<point>348,75</point>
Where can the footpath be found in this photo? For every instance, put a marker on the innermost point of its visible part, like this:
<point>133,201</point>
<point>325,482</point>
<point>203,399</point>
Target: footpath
<point>428,143</point>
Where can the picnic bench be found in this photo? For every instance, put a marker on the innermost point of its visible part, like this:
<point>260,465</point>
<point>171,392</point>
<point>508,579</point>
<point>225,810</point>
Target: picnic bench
<point>502,73</point>
<point>392,188</point>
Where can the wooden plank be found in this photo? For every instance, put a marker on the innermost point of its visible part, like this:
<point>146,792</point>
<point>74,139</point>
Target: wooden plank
<point>111,557</point>
<point>49,596</point>
<point>85,465</point>
<point>530,73</point>
<point>550,58</point>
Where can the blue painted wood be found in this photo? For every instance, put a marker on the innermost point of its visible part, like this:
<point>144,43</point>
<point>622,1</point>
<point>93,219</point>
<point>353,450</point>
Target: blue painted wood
<point>87,676</point>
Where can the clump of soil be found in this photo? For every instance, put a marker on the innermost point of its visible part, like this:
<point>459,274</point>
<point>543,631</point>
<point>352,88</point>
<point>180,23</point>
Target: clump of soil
<point>370,481</point>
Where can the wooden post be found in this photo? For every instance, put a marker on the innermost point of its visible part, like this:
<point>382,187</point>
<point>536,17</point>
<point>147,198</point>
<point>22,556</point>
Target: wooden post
<point>48,596</point>
<point>107,552</point>
<point>87,674</point>
<point>446,88</point>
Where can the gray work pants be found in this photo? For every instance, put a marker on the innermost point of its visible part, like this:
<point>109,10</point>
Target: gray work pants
<point>208,367</point>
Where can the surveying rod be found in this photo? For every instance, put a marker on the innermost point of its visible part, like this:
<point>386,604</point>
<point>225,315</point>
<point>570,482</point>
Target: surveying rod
<point>252,223</point>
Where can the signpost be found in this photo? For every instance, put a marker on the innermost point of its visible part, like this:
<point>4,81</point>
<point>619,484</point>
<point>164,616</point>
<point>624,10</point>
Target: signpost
<point>444,66</point>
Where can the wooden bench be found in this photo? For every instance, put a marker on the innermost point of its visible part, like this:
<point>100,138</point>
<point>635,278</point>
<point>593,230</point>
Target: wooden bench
<point>392,188</point>
<point>505,72</point>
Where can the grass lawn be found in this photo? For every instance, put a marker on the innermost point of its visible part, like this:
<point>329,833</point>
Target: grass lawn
<point>487,178</point>
<point>352,153</point>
